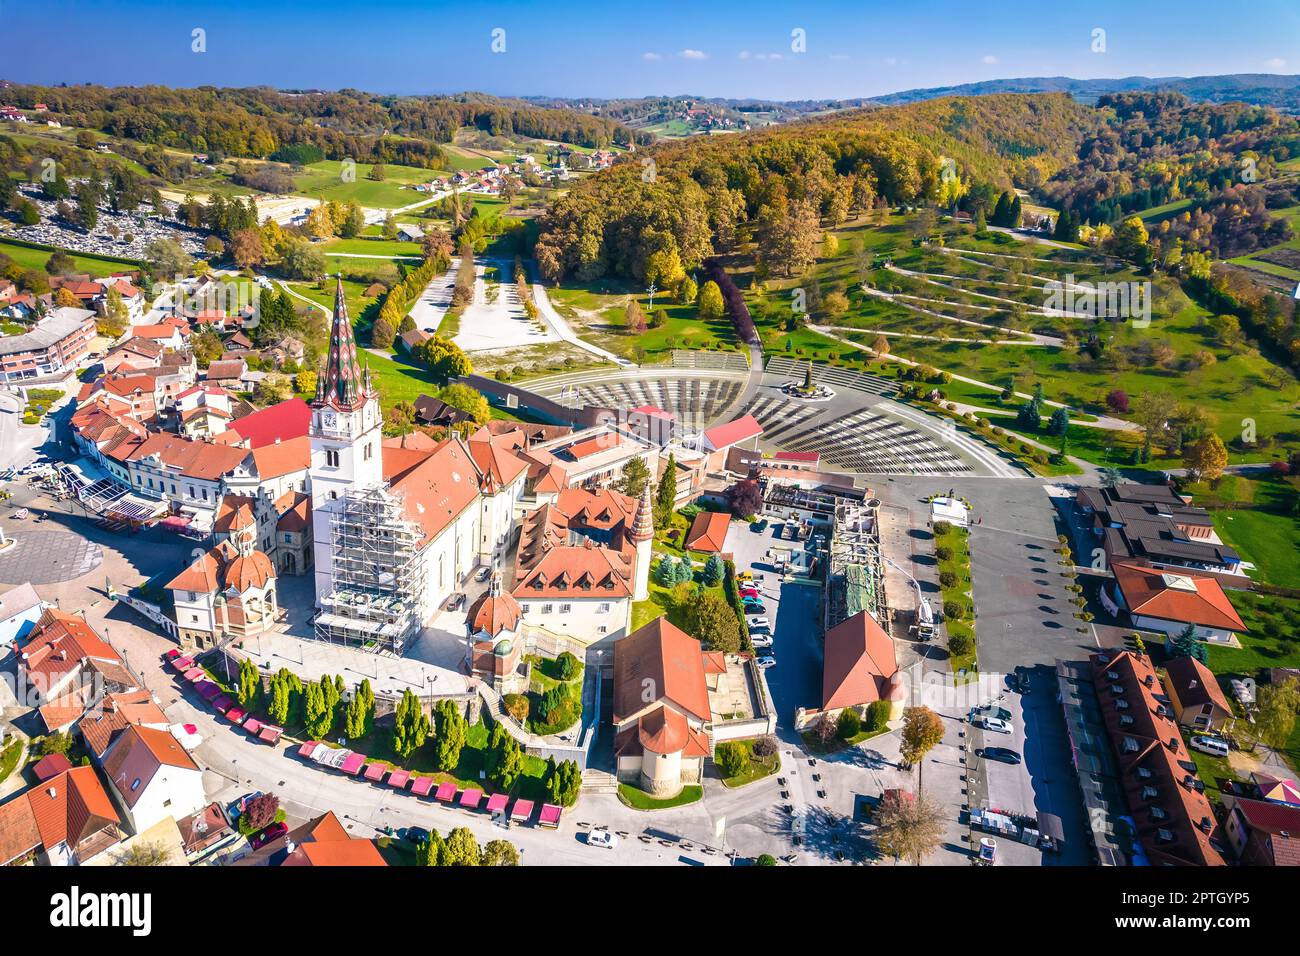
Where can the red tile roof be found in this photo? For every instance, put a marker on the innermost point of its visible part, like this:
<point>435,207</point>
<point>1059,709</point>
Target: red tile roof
<point>71,807</point>
<point>724,436</point>
<point>137,755</point>
<point>1180,597</point>
<point>283,458</point>
<point>284,421</point>
<point>1194,684</point>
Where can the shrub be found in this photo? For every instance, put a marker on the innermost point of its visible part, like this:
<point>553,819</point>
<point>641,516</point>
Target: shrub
<point>517,706</point>
<point>941,528</point>
<point>567,666</point>
<point>947,579</point>
<point>877,715</point>
<point>765,747</point>
<point>954,610</point>
<point>960,644</point>
<point>732,759</point>
<point>943,553</point>
<point>849,723</point>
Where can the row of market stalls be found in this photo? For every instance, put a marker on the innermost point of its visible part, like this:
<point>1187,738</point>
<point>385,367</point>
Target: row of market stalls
<point>497,805</point>
<point>211,692</point>
<point>116,505</point>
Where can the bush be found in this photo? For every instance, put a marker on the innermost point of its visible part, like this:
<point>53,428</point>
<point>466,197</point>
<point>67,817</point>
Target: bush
<point>765,747</point>
<point>849,724</point>
<point>960,644</point>
<point>732,759</point>
<point>877,715</point>
<point>941,528</point>
<point>517,706</point>
<point>943,553</point>
<point>954,610</point>
<point>567,666</point>
<point>947,579</point>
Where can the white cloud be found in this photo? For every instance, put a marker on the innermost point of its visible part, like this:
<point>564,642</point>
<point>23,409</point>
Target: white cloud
<point>1276,63</point>
<point>689,54</point>
<point>990,59</point>
<point>651,56</point>
<point>743,55</point>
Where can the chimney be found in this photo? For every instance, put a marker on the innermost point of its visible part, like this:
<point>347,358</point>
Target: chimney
<point>1191,684</point>
<point>53,792</point>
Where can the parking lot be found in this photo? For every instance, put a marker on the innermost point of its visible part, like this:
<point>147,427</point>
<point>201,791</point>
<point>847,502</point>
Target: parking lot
<point>794,613</point>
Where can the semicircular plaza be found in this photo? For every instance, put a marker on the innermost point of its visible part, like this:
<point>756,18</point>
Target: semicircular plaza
<point>860,430</point>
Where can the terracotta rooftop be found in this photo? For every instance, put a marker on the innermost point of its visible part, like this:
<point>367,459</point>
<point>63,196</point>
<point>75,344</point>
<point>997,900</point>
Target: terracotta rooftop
<point>666,660</point>
<point>1182,597</point>
<point>860,664</point>
<point>708,531</point>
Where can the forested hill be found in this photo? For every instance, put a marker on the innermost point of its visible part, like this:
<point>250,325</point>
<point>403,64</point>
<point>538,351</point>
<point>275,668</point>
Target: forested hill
<point>259,122</point>
<point>781,182</point>
<point>1260,89</point>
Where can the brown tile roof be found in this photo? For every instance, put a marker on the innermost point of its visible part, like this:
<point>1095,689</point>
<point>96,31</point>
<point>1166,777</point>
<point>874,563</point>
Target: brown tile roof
<point>137,755</point>
<point>708,531</point>
<point>19,834</point>
<point>61,643</point>
<point>665,661</point>
<point>438,488</point>
<point>224,567</point>
<point>494,458</point>
<point>117,712</point>
<point>859,664</point>
<point>1195,684</point>
<point>294,508</point>
<point>1176,596</point>
<point>1175,822</point>
<point>226,369</point>
<point>1281,825</point>
<point>235,513</point>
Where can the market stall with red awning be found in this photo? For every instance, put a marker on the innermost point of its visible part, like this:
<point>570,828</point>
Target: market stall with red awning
<point>421,786</point>
<point>470,798</point>
<point>399,779</point>
<point>521,811</point>
<point>375,772</point>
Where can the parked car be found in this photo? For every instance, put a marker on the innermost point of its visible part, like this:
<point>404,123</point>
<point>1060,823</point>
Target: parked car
<point>745,576</point>
<point>994,723</point>
<point>760,525</point>
<point>267,834</point>
<point>759,624</point>
<point>766,662</point>
<point>455,601</point>
<point>602,838</point>
<point>416,835</point>
<point>1003,754</point>
<point>237,807</point>
<point>1214,746</point>
<point>483,573</point>
<point>755,608</point>
<point>751,593</point>
<point>990,710</point>
<point>761,640</point>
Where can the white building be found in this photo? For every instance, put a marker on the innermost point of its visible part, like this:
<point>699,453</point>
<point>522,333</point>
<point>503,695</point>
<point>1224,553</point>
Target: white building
<point>152,778</point>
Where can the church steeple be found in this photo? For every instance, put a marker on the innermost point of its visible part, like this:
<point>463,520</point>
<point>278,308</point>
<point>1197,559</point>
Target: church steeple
<point>341,384</point>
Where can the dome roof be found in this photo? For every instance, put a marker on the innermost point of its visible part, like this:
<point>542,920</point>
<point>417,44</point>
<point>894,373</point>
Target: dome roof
<point>493,613</point>
<point>249,571</point>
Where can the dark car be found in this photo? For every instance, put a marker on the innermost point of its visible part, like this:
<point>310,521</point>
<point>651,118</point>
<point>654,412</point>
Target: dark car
<point>754,608</point>
<point>416,835</point>
<point>455,601</point>
<point>1001,754</point>
<point>267,834</point>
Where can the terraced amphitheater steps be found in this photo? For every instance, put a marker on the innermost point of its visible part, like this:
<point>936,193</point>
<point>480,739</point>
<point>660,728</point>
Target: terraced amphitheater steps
<point>830,375</point>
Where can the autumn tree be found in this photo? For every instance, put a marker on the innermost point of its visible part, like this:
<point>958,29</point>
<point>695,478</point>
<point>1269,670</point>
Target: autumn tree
<point>1206,458</point>
<point>922,731</point>
<point>500,853</point>
<point>711,306</point>
<point>247,248</point>
<point>908,827</point>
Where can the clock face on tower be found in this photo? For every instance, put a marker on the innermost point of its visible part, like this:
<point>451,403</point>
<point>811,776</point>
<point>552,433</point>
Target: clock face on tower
<point>329,420</point>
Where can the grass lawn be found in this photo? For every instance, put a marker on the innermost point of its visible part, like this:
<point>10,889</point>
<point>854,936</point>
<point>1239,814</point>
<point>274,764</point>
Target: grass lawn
<point>9,758</point>
<point>1272,637</point>
<point>96,266</point>
<point>759,767</point>
<point>371,247</point>
<point>324,180</point>
<point>544,677</point>
<point>1267,535</point>
<point>957,540</point>
<point>596,311</point>
<point>640,800</point>
<point>814,745</point>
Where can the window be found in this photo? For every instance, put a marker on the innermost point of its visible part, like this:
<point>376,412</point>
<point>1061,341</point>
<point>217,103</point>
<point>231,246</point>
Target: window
<point>523,609</point>
<point>604,609</point>
<point>135,784</point>
<point>548,608</point>
<point>288,538</point>
<point>602,629</point>
<point>566,608</point>
<point>366,454</point>
<point>331,458</point>
<point>334,496</point>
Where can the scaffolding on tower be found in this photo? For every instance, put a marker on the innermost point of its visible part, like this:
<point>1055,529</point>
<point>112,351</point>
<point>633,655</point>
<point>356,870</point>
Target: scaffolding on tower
<point>376,598</point>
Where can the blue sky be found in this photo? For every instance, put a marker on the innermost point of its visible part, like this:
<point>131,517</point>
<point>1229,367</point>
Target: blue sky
<point>604,49</point>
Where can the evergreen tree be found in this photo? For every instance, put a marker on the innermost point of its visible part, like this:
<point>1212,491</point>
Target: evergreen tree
<point>666,494</point>
<point>1059,422</point>
<point>410,726</point>
<point>451,732</point>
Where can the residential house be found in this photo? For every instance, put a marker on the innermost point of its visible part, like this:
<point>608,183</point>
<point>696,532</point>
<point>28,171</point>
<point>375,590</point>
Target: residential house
<point>50,351</point>
<point>20,610</point>
<point>1194,692</point>
<point>708,532</point>
<point>1262,833</point>
<point>151,777</point>
<point>67,820</point>
<point>323,841</point>
<point>1170,602</point>
<point>65,667</point>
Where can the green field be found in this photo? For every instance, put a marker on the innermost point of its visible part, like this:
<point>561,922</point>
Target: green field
<point>324,180</point>
<point>30,258</point>
<point>371,247</point>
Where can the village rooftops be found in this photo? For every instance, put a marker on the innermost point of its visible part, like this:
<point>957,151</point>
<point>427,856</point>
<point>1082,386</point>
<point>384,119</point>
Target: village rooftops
<point>1176,596</point>
<point>64,321</point>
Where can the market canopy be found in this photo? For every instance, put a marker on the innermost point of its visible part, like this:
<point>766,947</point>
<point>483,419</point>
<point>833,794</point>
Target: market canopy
<point>236,714</point>
<point>194,674</point>
<point>270,733</point>
<point>253,726</point>
<point>470,798</point>
<point>353,763</point>
<point>399,779</point>
<point>522,810</point>
<point>307,749</point>
<point>421,786</point>
<point>375,772</point>
<point>223,703</point>
<point>208,690</point>
<point>497,803</point>
<point>446,792</point>
<point>550,815</point>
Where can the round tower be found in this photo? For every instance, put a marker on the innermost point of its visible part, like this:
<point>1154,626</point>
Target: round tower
<point>643,535</point>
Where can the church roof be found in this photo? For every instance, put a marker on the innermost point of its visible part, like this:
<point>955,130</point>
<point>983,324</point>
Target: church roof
<point>341,385</point>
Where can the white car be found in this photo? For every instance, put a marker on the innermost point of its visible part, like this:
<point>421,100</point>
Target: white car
<point>603,838</point>
<point>766,662</point>
<point>759,624</point>
<point>994,723</point>
<point>761,640</point>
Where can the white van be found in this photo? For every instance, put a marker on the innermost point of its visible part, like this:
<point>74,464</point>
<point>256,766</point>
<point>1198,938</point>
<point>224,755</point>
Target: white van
<point>1214,746</point>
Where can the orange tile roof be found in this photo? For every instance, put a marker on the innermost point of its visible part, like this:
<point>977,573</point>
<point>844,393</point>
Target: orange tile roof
<point>1181,597</point>
<point>439,487</point>
<point>60,644</point>
<point>235,513</point>
<point>1195,684</point>
<point>117,712</point>
<point>859,663</point>
<point>670,660</point>
<point>283,458</point>
<point>294,508</point>
<point>19,834</point>
<point>70,807</point>
<point>708,531</point>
